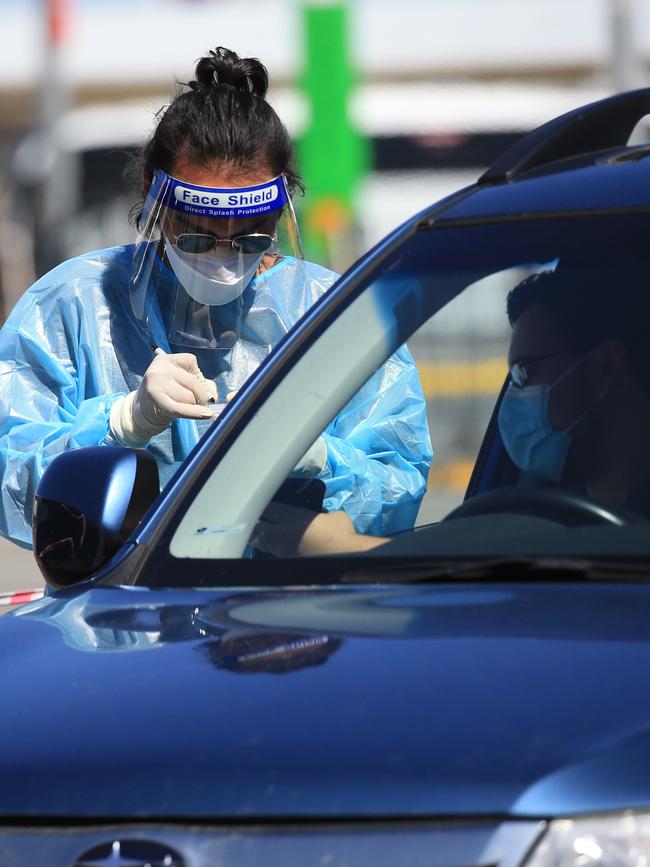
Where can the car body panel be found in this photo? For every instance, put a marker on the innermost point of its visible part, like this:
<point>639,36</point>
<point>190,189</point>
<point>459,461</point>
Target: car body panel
<point>588,188</point>
<point>441,700</point>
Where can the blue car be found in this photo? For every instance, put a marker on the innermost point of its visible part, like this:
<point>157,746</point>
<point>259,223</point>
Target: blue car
<point>224,674</point>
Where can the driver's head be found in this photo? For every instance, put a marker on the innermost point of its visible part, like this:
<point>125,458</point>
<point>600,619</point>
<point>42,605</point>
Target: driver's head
<point>580,363</point>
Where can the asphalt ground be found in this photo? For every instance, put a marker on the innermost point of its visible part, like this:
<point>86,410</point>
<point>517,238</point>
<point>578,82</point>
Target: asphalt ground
<point>18,569</point>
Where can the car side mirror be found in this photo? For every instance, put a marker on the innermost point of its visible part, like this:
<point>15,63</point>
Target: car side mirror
<point>87,504</point>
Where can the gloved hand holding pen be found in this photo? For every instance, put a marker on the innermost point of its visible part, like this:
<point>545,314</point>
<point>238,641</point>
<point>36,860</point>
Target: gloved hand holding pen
<point>172,387</point>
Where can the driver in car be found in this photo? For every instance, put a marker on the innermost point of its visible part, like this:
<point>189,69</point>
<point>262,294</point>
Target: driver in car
<point>576,411</point>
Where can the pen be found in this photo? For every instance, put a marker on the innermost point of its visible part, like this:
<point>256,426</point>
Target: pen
<point>158,351</point>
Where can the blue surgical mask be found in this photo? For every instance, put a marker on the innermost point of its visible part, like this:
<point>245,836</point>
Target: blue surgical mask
<point>530,439</point>
<point>528,436</point>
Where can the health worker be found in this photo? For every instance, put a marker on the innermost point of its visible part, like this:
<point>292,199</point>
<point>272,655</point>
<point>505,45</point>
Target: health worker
<point>142,345</point>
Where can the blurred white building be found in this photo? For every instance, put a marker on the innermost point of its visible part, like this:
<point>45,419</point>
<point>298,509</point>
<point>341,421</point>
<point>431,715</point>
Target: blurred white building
<point>137,42</point>
<point>444,85</point>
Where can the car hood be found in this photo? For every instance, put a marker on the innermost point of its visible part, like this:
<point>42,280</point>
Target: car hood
<point>524,700</point>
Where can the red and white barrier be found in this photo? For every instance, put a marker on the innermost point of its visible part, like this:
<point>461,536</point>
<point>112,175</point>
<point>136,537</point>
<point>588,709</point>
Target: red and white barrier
<point>20,597</point>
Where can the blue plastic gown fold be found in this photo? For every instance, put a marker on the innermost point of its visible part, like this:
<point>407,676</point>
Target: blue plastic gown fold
<point>71,347</point>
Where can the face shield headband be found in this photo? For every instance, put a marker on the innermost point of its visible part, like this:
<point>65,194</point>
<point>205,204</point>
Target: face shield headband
<point>201,247</point>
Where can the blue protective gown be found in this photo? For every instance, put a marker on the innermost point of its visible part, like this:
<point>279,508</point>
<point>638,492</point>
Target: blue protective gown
<point>72,346</point>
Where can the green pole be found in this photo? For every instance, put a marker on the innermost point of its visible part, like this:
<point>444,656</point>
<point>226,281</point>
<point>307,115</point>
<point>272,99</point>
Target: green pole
<point>333,156</point>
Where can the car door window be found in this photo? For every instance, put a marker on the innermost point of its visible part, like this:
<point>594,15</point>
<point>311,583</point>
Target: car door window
<point>461,355</point>
<point>441,297</point>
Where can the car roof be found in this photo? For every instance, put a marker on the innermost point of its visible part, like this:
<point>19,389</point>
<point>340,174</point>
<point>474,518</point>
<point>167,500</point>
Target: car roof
<point>578,163</point>
<point>604,186</point>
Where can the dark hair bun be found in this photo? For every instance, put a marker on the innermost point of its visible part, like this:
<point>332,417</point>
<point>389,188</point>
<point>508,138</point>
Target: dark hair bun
<point>224,68</point>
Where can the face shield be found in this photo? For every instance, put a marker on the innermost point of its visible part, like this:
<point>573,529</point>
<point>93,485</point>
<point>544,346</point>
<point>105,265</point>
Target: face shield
<point>199,252</point>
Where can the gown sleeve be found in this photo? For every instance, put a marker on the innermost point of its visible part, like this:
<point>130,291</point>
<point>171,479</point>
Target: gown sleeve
<point>47,398</point>
<point>379,451</point>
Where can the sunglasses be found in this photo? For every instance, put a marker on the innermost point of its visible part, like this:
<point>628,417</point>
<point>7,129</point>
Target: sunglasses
<point>246,244</point>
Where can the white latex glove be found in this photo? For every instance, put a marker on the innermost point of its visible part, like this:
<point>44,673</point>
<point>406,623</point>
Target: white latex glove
<point>172,387</point>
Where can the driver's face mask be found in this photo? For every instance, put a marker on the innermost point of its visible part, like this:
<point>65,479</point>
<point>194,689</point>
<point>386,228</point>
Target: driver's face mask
<point>533,444</point>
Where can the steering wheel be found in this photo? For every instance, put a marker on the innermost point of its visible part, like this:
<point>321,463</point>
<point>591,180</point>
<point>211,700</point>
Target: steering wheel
<point>555,504</point>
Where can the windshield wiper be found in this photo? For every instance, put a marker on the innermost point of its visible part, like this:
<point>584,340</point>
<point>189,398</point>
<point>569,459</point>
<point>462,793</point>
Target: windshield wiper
<point>499,569</point>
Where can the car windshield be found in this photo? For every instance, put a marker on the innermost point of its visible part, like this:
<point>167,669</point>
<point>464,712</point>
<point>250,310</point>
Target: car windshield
<point>502,413</point>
